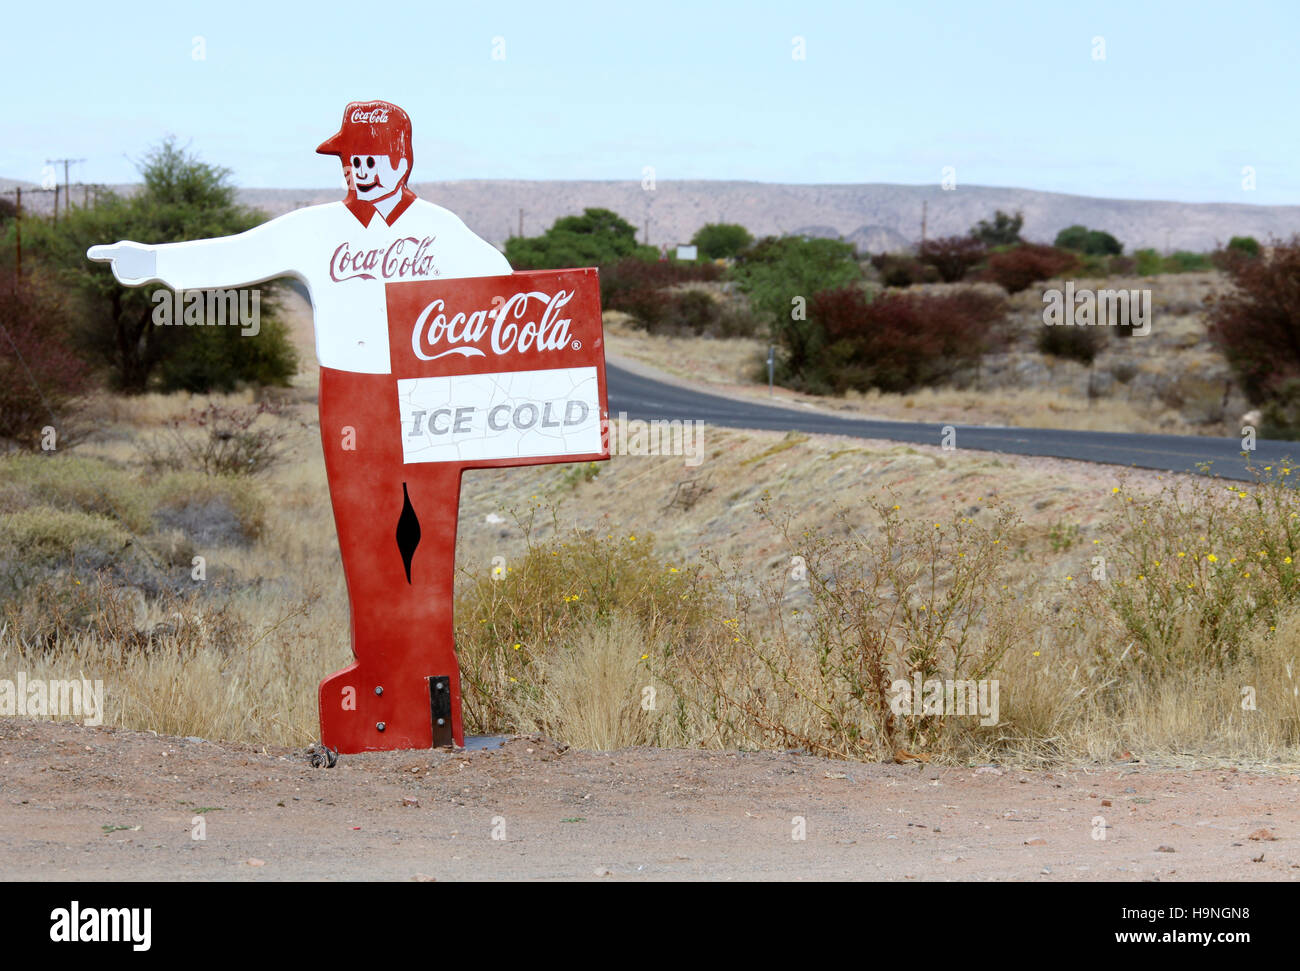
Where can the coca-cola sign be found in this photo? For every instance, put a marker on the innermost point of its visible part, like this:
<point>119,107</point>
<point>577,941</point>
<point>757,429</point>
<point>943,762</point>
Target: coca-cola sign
<point>375,116</point>
<point>502,370</point>
<point>519,322</point>
<point>405,258</point>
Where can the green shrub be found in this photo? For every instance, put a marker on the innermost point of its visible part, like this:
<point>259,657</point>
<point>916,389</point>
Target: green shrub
<point>1182,261</point>
<point>1080,344</point>
<point>75,483</point>
<point>223,359</point>
<point>1003,230</point>
<point>1198,567</point>
<point>721,240</point>
<point>596,238</point>
<point>1245,245</point>
<point>1149,262</point>
<point>1280,414</point>
<point>1090,242</point>
<point>183,198</point>
<point>780,275</point>
<point>779,272</point>
<point>45,533</point>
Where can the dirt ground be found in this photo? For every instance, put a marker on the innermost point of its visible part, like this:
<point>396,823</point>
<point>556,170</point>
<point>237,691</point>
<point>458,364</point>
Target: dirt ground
<point>105,804</point>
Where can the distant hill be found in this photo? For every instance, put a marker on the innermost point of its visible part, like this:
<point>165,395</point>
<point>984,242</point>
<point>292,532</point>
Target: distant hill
<point>872,216</point>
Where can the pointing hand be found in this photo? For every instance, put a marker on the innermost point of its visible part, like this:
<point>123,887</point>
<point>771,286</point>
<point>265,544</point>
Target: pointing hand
<point>133,263</point>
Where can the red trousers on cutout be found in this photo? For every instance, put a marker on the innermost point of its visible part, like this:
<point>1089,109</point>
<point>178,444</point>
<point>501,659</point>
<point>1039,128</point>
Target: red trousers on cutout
<point>397,536</point>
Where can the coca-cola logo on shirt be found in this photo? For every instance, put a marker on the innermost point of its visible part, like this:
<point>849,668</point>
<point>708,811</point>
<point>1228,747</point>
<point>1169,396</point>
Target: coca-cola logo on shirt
<point>513,324</point>
<point>375,116</point>
<point>405,258</point>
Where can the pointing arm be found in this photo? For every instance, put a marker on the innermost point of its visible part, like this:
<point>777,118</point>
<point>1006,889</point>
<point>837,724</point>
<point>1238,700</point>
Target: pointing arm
<point>261,253</point>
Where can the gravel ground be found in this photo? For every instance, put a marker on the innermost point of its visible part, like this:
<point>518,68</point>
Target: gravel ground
<point>104,804</point>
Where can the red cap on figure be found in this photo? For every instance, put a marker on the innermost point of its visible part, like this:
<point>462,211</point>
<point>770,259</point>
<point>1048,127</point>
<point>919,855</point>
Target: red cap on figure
<point>371,128</point>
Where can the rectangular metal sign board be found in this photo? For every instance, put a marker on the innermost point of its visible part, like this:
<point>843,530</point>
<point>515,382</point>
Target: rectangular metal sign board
<point>499,370</point>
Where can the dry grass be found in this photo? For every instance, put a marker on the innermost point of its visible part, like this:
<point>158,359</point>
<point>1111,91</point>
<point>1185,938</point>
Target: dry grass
<point>704,616</point>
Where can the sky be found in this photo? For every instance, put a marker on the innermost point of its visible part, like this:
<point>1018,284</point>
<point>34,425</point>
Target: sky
<point>1189,101</point>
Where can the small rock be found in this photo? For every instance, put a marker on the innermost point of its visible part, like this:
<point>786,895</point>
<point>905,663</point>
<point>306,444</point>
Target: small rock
<point>600,871</point>
<point>254,861</point>
<point>1036,841</point>
<point>1106,802</point>
<point>1165,849</point>
<point>423,878</point>
<point>1261,834</point>
<point>412,802</point>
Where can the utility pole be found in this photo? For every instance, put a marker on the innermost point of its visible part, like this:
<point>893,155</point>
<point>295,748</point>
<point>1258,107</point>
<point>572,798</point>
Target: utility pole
<point>924,205</point>
<point>67,186</point>
<point>56,202</point>
<point>18,239</point>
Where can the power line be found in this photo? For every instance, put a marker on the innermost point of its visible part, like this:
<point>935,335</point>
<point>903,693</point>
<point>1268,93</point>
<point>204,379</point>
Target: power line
<point>67,186</point>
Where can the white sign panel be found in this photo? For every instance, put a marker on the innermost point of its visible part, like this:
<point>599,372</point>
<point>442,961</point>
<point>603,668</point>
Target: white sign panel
<point>514,414</point>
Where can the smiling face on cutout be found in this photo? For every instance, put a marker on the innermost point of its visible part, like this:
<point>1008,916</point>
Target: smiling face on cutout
<point>375,176</point>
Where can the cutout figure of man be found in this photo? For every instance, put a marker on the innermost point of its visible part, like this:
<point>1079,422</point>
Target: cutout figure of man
<point>386,513</point>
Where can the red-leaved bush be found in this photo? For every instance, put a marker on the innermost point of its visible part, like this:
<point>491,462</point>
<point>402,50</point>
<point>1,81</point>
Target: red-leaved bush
<point>625,284</point>
<point>1257,325</point>
<point>39,373</point>
<point>898,341</point>
<point>1022,266</point>
<point>952,256</point>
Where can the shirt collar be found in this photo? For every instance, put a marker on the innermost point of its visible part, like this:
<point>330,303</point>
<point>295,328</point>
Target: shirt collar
<point>365,211</point>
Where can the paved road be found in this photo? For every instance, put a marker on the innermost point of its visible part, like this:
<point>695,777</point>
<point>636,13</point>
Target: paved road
<point>645,398</point>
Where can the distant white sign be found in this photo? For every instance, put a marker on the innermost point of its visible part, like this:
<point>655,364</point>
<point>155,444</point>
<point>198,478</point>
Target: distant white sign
<point>687,253</point>
<point>514,414</point>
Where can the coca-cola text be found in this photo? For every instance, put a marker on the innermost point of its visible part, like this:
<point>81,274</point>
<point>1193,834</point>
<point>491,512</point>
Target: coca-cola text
<point>509,330</point>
